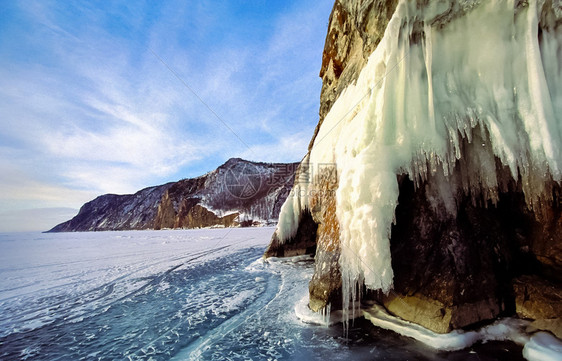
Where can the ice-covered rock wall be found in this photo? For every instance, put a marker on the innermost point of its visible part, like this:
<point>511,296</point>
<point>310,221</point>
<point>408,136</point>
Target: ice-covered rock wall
<point>463,97</point>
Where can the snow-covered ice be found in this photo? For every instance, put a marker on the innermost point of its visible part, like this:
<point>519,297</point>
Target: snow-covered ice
<point>543,347</point>
<point>168,295</point>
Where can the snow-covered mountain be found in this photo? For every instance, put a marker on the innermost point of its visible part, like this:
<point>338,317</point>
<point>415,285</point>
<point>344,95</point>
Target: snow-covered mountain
<point>238,192</point>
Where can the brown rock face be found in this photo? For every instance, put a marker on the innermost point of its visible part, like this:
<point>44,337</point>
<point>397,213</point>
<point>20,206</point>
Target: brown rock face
<point>355,29</point>
<point>236,187</point>
<point>304,242</point>
<point>546,245</point>
<point>451,271</point>
<point>540,300</point>
<point>325,286</point>
<point>200,217</point>
<point>437,316</point>
<point>453,268</point>
<point>176,203</point>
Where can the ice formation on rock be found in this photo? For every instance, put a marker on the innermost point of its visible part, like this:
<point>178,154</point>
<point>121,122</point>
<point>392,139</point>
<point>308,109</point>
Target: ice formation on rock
<point>444,74</point>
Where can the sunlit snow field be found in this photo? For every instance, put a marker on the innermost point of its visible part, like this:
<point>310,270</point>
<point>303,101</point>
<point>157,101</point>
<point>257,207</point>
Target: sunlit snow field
<point>179,295</point>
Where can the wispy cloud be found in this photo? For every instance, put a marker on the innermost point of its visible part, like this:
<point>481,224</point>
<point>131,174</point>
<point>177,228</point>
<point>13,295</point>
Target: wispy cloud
<point>291,146</point>
<point>86,108</point>
<point>22,189</point>
<point>34,220</point>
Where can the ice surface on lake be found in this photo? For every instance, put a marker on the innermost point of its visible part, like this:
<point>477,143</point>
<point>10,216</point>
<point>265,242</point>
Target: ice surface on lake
<point>167,295</point>
<point>122,294</point>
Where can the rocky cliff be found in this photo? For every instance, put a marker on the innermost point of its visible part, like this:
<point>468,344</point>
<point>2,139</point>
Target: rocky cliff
<point>117,212</point>
<point>432,181</point>
<point>238,193</point>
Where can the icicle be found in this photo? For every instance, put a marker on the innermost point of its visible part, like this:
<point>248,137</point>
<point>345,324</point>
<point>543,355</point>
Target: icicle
<point>295,204</point>
<point>326,315</point>
<point>477,88</point>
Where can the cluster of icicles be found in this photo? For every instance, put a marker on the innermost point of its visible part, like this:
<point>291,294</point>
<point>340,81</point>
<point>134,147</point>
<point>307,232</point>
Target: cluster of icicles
<point>486,78</point>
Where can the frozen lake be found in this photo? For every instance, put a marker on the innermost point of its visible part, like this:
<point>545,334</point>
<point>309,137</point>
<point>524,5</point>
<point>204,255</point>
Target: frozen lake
<point>174,295</point>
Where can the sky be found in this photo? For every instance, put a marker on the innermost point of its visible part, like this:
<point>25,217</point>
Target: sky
<point>104,97</point>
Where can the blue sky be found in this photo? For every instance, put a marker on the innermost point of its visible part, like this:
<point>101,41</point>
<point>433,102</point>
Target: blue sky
<point>87,107</point>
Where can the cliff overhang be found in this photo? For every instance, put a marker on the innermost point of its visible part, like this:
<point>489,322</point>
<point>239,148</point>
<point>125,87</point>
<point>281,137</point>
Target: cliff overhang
<point>432,184</point>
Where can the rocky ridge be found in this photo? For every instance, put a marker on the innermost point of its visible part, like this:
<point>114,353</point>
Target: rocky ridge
<point>238,193</point>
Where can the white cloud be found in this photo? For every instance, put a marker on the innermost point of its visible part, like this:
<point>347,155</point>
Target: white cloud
<point>96,112</point>
<point>34,220</point>
<point>87,115</point>
<point>290,148</point>
<point>19,189</point>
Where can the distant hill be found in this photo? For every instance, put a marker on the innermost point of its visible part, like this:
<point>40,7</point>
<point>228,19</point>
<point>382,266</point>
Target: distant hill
<point>238,193</point>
